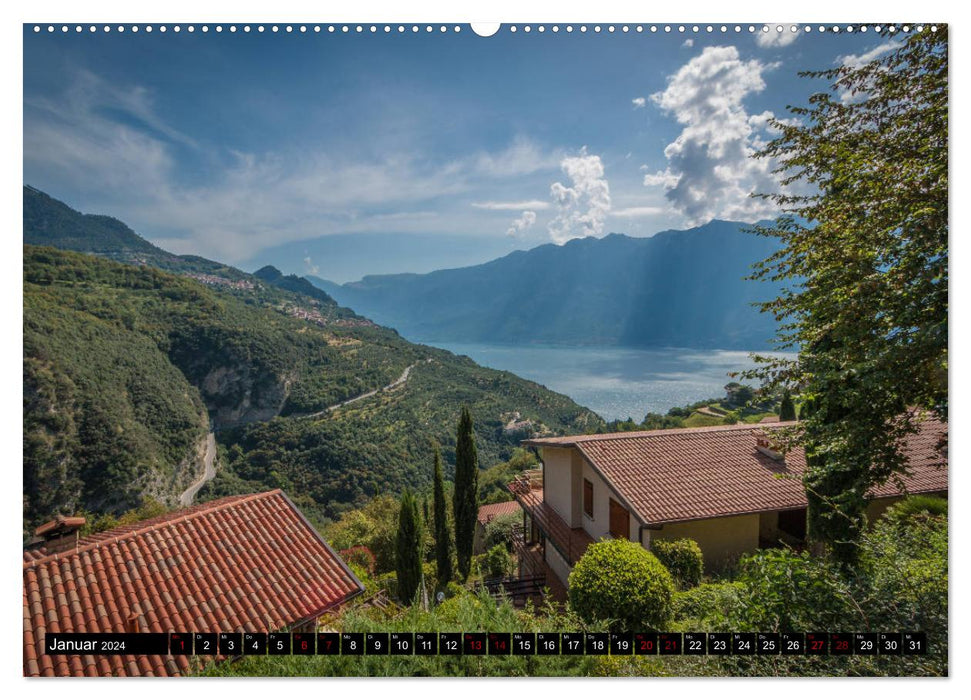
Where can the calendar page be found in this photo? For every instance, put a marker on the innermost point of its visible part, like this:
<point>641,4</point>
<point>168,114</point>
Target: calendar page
<point>548,348</point>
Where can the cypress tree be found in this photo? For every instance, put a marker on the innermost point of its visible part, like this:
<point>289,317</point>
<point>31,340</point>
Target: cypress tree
<point>466,498</point>
<point>443,538</point>
<point>787,411</point>
<point>408,554</point>
<point>807,409</point>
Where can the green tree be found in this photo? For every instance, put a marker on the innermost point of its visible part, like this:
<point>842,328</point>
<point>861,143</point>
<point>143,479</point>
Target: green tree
<point>408,553</point>
<point>466,498</point>
<point>864,256</point>
<point>787,409</point>
<point>443,538</point>
<point>621,582</point>
<point>683,558</point>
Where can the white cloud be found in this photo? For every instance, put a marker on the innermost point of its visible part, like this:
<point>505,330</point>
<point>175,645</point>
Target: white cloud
<point>710,172</point>
<point>521,224</point>
<point>774,38</point>
<point>637,212</point>
<point>512,206</point>
<point>858,61</point>
<point>522,157</point>
<point>104,147</point>
<point>688,43</point>
<point>639,102</point>
<point>311,268</point>
<point>583,206</point>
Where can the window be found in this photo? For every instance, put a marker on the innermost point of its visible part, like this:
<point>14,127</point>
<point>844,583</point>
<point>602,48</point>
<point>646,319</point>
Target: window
<point>588,498</point>
<point>619,520</point>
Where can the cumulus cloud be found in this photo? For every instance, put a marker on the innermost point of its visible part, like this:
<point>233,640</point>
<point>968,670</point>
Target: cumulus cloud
<point>311,268</point>
<point>687,43</point>
<point>710,173</point>
<point>774,38</point>
<point>512,206</point>
<point>521,224</point>
<point>584,204</point>
<point>639,102</point>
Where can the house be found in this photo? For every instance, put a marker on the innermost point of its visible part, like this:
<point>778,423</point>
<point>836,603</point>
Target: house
<point>487,514</point>
<point>725,487</point>
<point>239,564</point>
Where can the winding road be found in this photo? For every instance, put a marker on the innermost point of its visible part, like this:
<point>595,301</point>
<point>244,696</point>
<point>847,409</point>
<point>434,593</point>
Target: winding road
<point>360,397</point>
<point>209,457</point>
<point>208,460</point>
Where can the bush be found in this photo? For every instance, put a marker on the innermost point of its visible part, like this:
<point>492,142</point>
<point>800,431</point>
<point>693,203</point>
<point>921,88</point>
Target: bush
<point>916,508</point>
<point>497,563</point>
<point>682,558</point>
<point>622,583</point>
<point>498,531</point>
<point>709,606</point>
<point>785,591</point>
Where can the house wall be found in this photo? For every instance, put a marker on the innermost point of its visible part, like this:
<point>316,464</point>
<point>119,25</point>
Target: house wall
<point>599,525</point>
<point>558,564</point>
<point>769,525</point>
<point>722,540</point>
<point>557,480</point>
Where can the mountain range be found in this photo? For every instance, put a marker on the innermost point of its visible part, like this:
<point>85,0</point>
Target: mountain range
<point>674,289</point>
<point>133,356</point>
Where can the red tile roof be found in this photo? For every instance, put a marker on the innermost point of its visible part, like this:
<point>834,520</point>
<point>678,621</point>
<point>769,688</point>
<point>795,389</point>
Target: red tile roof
<point>60,522</point>
<point>488,512</point>
<point>242,563</point>
<point>686,474</point>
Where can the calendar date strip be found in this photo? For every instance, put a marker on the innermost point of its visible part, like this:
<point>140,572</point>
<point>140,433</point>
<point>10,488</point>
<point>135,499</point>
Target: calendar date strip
<point>489,643</point>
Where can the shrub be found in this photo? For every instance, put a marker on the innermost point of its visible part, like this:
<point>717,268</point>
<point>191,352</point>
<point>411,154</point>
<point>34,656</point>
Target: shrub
<point>682,558</point>
<point>623,583</point>
<point>916,507</point>
<point>498,531</point>
<point>360,556</point>
<point>497,562</point>
<point>784,591</point>
<point>710,605</point>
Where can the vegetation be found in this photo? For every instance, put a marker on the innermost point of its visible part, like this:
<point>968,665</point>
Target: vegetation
<point>682,558</point>
<point>787,409</point>
<point>494,481</point>
<point>443,536</point>
<point>916,507</point>
<point>125,369</point>
<point>623,584</point>
<point>466,496</point>
<point>498,562</point>
<point>865,259</point>
<point>498,531</point>
<point>408,548</point>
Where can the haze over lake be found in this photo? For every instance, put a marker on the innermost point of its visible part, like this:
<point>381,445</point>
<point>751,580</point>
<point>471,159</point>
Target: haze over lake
<point>617,383</point>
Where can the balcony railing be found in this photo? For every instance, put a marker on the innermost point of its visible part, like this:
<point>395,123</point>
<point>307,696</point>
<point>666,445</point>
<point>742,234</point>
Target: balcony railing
<point>571,543</point>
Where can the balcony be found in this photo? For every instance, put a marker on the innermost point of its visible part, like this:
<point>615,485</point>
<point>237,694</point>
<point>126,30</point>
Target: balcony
<point>571,543</point>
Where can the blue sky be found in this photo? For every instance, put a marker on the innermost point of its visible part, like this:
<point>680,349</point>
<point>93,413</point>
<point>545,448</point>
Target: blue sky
<point>230,145</point>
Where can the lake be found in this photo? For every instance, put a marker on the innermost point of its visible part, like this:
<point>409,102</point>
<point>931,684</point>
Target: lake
<point>617,383</point>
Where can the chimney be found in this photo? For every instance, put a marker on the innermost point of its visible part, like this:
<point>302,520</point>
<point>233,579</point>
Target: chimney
<point>132,624</point>
<point>765,445</point>
<point>61,534</point>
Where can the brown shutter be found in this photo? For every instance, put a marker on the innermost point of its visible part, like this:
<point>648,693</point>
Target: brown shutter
<point>619,520</point>
<point>588,498</point>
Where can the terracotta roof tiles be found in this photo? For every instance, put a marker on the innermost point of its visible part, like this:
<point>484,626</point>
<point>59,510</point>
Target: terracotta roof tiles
<point>239,563</point>
<point>698,473</point>
<point>492,510</point>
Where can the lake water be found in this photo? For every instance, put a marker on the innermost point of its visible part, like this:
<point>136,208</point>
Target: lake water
<point>617,383</point>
